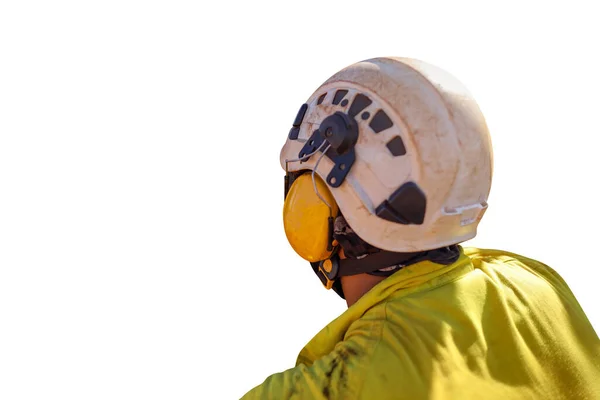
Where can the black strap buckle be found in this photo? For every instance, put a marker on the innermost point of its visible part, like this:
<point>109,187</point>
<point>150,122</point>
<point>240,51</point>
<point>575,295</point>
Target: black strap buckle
<point>328,270</point>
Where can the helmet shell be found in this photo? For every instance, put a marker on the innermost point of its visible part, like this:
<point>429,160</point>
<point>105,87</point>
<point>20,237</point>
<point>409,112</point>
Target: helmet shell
<point>419,126</point>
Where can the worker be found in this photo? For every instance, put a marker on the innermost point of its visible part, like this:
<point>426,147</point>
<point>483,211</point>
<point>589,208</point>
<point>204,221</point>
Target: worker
<point>388,168</point>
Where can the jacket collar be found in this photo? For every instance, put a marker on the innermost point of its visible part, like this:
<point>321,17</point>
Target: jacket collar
<point>418,277</point>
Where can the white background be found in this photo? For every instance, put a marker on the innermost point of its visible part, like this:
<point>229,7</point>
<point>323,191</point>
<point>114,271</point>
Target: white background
<point>142,253</point>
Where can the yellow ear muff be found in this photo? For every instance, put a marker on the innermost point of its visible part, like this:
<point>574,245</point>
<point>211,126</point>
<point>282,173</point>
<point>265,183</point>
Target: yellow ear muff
<point>305,218</point>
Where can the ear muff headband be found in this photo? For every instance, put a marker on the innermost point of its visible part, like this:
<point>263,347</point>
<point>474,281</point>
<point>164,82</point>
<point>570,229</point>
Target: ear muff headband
<point>307,219</point>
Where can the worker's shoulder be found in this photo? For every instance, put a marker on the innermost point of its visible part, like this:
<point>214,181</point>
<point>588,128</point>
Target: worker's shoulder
<point>475,252</point>
<point>506,258</point>
<point>500,256</point>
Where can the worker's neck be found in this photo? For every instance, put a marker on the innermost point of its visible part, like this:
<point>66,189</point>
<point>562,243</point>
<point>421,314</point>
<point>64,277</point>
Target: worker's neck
<point>355,286</point>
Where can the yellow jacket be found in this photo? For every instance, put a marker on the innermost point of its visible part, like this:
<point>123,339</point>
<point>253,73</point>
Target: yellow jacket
<point>493,325</point>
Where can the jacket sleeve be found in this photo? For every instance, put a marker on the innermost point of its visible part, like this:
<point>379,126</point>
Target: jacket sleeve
<point>338,375</point>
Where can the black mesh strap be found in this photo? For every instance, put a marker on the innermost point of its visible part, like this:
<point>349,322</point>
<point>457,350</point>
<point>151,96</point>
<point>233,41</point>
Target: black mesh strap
<point>354,247</point>
<point>376,261</point>
<point>384,259</point>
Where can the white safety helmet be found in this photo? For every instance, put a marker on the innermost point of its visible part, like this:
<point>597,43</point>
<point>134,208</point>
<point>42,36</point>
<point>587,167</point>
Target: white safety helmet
<point>408,156</point>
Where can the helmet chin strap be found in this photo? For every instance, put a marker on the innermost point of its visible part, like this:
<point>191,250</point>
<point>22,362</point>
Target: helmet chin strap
<point>329,271</point>
<point>371,264</point>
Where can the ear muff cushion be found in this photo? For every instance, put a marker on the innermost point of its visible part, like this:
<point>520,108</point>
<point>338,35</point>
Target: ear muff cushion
<point>305,217</point>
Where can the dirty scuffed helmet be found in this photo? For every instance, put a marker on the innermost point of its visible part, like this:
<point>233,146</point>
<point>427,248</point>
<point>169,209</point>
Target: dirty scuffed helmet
<point>402,149</point>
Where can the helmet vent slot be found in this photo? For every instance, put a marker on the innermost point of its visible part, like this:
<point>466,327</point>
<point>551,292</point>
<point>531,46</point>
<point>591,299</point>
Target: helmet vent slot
<point>396,146</point>
<point>339,95</point>
<point>380,122</point>
<point>359,103</point>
